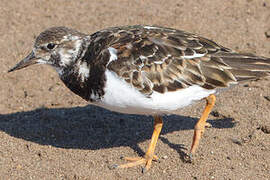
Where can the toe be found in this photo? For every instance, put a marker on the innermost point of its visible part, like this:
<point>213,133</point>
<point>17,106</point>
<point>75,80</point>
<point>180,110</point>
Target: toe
<point>132,164</point>
<point>132,158</point>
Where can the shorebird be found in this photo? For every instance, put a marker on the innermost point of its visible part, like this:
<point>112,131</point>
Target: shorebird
<point>147,70</point>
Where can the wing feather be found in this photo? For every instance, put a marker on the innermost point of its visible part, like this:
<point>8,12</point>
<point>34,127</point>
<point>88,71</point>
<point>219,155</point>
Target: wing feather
<point>163,59</point>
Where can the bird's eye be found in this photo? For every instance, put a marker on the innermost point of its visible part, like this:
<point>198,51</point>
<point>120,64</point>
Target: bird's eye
<point>51,46</point>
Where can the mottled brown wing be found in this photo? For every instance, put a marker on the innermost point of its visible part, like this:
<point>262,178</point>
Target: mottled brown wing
<point>162,59</point>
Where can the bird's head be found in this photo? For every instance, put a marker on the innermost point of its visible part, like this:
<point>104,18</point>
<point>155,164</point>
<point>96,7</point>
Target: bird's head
<point>56,46</point>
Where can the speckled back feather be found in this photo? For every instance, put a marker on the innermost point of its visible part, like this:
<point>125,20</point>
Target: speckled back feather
<point>163,59</point>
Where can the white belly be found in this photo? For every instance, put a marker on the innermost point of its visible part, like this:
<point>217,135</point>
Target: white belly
<point>122,97</point>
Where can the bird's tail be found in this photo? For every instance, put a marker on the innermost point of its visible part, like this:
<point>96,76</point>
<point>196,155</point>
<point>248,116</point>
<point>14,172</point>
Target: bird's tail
<point>246,66</point>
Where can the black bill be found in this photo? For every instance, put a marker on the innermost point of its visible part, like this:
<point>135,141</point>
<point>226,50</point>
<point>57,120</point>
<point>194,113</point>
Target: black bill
<point>29,60</point>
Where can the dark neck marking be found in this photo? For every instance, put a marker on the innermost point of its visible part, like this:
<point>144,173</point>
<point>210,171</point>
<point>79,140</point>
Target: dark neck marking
<point>92,89</point>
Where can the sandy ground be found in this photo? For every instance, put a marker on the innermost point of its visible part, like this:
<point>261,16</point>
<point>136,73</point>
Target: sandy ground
<point>47,132</point>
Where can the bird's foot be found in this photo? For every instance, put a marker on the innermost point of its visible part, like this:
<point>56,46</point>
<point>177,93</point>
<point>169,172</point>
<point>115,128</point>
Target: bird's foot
<point>135,161</point>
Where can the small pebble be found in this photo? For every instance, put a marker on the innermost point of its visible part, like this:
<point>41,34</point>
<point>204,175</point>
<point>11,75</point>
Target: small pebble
<point>215,113</point>
<point>25,94</point>
<point>114,166</point>
<point>236,141</point>
<point>265,129</point>
<point>267,98</point>
<point>267,34</point>
<point>165,157</point>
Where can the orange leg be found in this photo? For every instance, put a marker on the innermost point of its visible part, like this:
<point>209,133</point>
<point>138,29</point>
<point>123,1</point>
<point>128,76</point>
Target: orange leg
<point>200,125</point>
<point>149,155</point>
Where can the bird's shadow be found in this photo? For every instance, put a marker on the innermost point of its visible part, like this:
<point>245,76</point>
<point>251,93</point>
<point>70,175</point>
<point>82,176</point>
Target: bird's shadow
<point>91,127</point>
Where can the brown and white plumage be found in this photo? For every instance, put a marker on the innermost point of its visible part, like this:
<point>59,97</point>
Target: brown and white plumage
<point>163,59</point>
<point>164,69</point>
<point>144,70</point>
<point>153,58</point>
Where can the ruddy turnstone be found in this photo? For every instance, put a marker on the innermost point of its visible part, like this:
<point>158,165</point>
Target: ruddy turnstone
<point>146,70</point>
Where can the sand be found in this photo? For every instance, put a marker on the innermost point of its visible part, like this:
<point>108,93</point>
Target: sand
<point>47,132</point>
